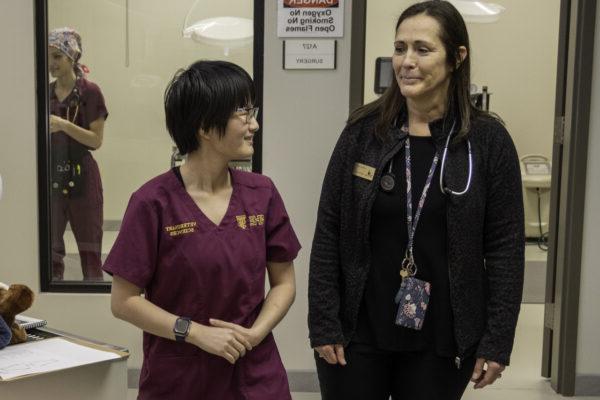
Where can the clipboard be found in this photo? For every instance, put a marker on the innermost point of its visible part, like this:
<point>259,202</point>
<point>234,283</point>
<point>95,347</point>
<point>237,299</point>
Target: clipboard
<point>57,353</point>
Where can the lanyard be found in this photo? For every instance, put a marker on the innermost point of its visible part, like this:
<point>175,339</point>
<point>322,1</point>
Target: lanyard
<point>409,268</point>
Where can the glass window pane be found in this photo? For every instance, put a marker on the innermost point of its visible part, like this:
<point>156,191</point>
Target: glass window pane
<point>129,50</point>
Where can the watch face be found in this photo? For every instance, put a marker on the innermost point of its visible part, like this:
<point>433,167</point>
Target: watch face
<point>181,325</point>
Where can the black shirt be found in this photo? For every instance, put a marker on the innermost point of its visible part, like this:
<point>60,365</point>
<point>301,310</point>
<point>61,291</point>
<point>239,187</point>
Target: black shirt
<point>388,239</point>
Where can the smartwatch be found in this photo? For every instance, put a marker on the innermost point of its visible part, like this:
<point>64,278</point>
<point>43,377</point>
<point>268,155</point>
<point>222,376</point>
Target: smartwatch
<point>182,328</point>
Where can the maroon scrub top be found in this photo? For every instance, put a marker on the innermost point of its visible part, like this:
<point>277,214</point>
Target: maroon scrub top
<point>91,103</point>
<point>191,267</point>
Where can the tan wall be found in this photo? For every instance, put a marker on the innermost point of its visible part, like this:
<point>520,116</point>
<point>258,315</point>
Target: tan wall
<point>18,207</point>
<point>515,57</point>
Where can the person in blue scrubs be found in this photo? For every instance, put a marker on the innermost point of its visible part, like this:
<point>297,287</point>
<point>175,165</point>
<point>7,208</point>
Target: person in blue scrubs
<point>197,241</point>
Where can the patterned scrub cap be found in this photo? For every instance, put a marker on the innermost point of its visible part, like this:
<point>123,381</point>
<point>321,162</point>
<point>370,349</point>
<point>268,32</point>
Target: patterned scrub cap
<point>66,40</point>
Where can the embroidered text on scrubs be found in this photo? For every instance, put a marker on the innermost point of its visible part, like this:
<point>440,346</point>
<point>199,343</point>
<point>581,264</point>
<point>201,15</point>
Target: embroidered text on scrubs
<point>176,230</point>
<point>254,220</point>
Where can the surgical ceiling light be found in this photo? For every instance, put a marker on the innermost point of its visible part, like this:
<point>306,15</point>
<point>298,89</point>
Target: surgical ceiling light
<point>227,32</point>
<point>478,11</point>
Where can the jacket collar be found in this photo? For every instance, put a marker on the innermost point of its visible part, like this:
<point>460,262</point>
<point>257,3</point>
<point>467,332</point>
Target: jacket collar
<point>439,128</point>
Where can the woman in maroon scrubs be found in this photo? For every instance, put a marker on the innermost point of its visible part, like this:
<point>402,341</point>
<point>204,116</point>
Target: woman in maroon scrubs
<point>197,241</point>
<point>77,115</point>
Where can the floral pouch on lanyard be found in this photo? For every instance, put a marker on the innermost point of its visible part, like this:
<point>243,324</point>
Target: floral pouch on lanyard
<point>413,296</point>
<point>412,299</point>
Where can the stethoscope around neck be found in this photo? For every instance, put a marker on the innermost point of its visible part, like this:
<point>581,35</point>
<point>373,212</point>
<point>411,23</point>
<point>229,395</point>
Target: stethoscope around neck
<point>73,100</point>
<point>446,189</point>
<point>387,181</point>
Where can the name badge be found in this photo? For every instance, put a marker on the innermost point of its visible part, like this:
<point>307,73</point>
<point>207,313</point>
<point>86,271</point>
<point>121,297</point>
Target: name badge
<point>363,171</point>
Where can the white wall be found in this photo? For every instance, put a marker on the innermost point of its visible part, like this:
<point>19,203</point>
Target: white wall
<point>304,113</point>
<point>515,57</point>
<point>588,351</point>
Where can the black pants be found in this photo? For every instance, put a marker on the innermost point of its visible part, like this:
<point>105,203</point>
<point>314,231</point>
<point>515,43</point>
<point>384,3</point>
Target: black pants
<point>373,374</point>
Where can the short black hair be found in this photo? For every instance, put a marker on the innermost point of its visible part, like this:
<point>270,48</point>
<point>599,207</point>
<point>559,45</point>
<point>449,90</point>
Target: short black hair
<point>203,96</point>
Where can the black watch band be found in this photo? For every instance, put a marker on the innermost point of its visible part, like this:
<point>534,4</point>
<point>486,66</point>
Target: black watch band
<point>182,328</point>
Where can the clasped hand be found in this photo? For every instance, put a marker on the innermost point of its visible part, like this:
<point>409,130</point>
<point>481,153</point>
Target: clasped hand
<point>56,124</point>
<point>332,353</point>
<point>226,339</point>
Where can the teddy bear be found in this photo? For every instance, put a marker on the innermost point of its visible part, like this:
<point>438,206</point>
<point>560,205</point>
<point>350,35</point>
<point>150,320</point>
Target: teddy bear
<point>5,334</point>
<point>14,300</point>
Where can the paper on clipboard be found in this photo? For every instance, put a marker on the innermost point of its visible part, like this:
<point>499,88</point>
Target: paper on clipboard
<point>48,355</point>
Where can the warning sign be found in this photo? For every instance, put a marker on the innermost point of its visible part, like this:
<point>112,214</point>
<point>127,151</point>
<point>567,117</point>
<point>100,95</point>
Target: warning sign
<point>310,3</point>
<point>310,18</point>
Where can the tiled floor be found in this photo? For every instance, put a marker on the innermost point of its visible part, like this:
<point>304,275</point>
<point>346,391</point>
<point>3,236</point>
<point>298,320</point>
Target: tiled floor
<point>520,381</point>
<point>534,288</point>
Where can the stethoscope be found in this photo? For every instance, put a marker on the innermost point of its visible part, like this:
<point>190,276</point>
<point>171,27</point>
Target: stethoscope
<point>388,180</point>
<point>74,100</point>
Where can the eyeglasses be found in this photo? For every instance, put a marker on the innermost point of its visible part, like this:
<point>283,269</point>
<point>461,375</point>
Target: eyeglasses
<point>248,112</point>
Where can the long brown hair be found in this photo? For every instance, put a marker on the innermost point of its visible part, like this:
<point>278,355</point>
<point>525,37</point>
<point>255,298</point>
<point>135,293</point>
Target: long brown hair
<point>453,34</point>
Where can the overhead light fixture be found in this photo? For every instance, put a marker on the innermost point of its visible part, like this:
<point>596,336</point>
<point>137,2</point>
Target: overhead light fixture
<point>478,11</point>
<point>227,32</point>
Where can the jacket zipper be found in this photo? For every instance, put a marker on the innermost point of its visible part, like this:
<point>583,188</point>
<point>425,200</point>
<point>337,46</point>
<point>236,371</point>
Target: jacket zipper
<point>461,355</point>
<point>386,158</point>
<point>458,358</point>
<point>457,362</point>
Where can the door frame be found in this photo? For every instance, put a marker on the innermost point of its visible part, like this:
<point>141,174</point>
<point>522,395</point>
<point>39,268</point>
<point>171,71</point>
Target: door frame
<point>567,199</point>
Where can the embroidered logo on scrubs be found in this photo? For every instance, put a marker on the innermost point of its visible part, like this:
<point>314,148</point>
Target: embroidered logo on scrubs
<point>253,220</point>
<point>181,229</point>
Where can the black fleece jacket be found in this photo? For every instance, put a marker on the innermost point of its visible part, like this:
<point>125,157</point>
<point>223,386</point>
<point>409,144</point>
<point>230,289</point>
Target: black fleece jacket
<point>485,227</point>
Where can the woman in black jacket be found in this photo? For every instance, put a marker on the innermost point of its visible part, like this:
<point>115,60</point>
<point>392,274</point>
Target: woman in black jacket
<point>416,269</point>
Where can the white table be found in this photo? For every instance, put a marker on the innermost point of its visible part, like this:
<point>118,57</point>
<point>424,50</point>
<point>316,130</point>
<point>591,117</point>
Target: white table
<point>105,380</point>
